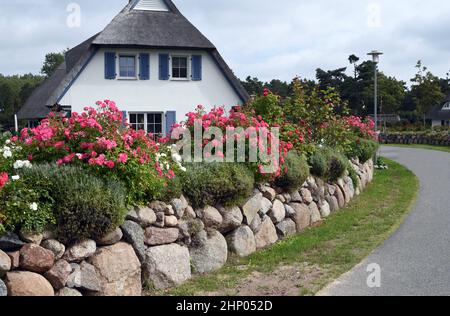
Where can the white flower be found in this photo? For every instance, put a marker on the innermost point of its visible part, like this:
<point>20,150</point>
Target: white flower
<point>15,178</point>
<point>7,154</point>
<point>34,206</point>
<point>183,169</point>
<point>19,164</point>
<point>8,142</point>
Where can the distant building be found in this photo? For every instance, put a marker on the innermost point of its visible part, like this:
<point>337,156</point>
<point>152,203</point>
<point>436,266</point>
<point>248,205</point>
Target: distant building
<point>440,114</point>
<point>387,118</point>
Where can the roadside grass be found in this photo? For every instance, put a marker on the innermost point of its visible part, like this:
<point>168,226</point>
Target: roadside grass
<point>337,245</point>
<point>421,146</point>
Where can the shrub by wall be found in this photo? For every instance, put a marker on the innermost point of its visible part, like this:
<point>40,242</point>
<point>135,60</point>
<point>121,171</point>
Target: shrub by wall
<point>295,173</point>
<point>85,206</point>
<point>217,183</point>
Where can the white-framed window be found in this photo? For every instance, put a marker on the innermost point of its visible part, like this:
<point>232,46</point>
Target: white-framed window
<point>446,106</point>
<point>127,66</point>
<point>150,122</point>
<point>180,67</point>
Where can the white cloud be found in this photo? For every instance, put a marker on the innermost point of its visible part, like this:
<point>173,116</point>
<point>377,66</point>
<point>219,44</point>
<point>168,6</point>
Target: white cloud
<point>264,38</point>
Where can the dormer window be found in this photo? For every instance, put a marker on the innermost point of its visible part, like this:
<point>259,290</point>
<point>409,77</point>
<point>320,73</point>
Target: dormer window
<point>446,106</point>
<point>150,5</point>
<point>127,66</point>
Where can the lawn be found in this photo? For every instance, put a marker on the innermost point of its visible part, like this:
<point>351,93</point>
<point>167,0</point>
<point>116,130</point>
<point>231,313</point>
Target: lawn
<point>430,147</point>
<point>304,264</point>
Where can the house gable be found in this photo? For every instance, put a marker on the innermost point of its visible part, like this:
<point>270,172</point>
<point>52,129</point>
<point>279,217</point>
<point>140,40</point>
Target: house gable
<point>141,26</point>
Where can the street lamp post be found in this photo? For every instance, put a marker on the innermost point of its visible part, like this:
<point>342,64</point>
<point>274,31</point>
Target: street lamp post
<point>376,59</point>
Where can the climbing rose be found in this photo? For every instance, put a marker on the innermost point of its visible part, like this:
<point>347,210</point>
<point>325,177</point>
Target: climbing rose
<point>3,179</point>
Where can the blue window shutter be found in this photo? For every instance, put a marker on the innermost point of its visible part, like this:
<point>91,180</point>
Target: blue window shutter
<point>124,117</point>
<point>171,119</point>
<point>197,67</point>
<point>110,65</point>
<point>163,66</point>
<point>144,66</point>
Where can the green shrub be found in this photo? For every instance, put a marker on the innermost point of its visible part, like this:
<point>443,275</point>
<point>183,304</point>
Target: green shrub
<point>363,149</point>
<point>85,206</point>
<point>217,183</point>
<point>26,205</point>
<point>297,172</point>
<point>328,164</point>
<point>319,163</point>
<point>143,184</point>
<point>338,164</point>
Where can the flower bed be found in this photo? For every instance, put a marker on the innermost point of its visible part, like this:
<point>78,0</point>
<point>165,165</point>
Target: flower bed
<point>67,186</point>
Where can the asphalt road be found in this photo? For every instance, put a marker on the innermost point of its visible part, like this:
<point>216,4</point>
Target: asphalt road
<point>416,259</point>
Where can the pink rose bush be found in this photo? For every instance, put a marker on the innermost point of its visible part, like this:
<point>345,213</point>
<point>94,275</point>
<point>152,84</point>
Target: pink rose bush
<point>230,122</point>
<point>101,141</point>
<point>364,128</point>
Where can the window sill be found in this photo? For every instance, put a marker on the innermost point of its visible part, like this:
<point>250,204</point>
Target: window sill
<point>128,78</point>
<point>179,79</point>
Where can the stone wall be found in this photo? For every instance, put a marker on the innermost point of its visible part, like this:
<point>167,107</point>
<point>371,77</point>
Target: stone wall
<point>437,139</point>
<point>163,245</point>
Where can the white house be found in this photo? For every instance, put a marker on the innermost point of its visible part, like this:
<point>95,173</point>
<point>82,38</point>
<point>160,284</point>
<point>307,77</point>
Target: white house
<point>440,114</point>
<point>151,61</point>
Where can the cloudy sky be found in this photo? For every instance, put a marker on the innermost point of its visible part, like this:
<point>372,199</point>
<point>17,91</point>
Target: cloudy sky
<point>263,38</point>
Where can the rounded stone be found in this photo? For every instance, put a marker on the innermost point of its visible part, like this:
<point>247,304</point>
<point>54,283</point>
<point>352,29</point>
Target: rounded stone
<point>242,241</point>
<point>3,289</point>
<point>286,228</point>
<point>24,283</point>
<point>209,255</point>
<point>119,270</point>
<point>112,238</point>
<point>212,217</point>
<point>80,251</point>
<point>302,216</point>
<point>166,266</point>
<point>68,292</point>
<point>267,234</point>
<point>54,246</point>
<point>232,218</point>
<point>315,214</point>
<point>36,258</point>
<point>170,221</point>
<point>278,212</point>
<point>30,237</point>
<point>155,236</point>
<point>5,263</point>
<point>59,274</point>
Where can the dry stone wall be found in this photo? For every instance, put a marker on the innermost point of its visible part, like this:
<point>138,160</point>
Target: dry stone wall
<point>163,245</point>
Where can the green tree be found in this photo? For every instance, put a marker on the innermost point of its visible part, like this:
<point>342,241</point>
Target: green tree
<point>353,60</point>
<point>281,88</point>
<point>14,90</point>
<point>253,85</point>
<point>425,90</point>
<point>51,63</point>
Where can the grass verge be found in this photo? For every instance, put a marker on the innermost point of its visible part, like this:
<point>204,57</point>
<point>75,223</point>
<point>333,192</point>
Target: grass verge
<point>421,146</point>
<point>321,253</point>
